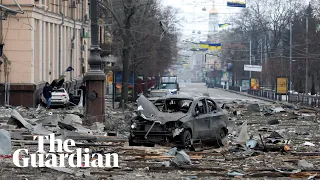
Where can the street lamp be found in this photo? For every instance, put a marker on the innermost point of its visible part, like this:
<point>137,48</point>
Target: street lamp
<point>95,77</point>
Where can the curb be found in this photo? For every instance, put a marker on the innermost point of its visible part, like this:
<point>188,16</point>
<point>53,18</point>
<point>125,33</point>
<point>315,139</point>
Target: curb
<point>252,96</point>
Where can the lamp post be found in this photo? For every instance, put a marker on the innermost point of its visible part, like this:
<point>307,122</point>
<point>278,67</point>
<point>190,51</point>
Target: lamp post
<point>95,77</point>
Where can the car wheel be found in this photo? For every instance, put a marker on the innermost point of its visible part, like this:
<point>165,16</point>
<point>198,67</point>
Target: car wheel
<point>186,138</point>
<point>131,143</point>
<point>222,134</point>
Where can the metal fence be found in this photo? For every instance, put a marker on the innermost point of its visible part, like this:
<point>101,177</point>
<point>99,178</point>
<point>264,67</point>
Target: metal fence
<point>303,99</point>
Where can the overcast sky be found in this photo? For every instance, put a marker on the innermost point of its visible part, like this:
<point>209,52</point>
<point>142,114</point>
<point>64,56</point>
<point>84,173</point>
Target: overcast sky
<point>195,19</point>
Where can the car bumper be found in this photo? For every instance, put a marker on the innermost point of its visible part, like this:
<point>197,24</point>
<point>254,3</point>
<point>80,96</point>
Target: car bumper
<point>151,137</point>
<point>58,103</point>
<point>148,133</point>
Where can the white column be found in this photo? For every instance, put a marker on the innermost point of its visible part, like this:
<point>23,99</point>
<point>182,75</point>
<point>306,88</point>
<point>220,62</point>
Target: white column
<point>64,60</point>
<point>44,54</point>
<point>54,52</point>
<point>57,47</point>
<point>33,51</point>
<point>49,53</point>
<point>40,49</point>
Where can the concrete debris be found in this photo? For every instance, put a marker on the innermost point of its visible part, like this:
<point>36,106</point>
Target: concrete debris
<point>66,126</point>
<point>53,119</point>
<point>251,143</point>
<point>243,136</point>
<point>305,164</point>
<point>253,108</point>
<point>62,177</point>
<point>16,136</point>
<point>83,130</point>
<point>289,172</point>
<point>171,152</point>
<point>72,119</point>
<point>17,119</point>
<point>181,159</point>
<point>312,177</point>
<point>271,138</point>
<point>98,126</point>
<point>235,173</point>
<point>309,144</point>
<point>40,130</point>
<point>63,169</point>
<point>5,142</point>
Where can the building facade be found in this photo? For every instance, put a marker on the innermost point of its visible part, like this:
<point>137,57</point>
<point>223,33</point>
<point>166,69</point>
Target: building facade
<point>40,44</point>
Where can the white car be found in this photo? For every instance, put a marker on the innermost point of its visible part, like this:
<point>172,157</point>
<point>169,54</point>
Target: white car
<point>60,97</point>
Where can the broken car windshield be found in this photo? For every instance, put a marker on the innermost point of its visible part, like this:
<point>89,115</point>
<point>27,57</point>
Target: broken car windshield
<point>174,105</point>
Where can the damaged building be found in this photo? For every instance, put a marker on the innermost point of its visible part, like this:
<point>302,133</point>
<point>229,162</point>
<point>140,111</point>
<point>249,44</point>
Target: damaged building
<point>42,40</point>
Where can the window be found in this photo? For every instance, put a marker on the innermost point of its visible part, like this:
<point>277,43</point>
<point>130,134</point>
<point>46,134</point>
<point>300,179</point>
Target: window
<point>173,105</point>
<point>201,107</point>
<point>212,106</point>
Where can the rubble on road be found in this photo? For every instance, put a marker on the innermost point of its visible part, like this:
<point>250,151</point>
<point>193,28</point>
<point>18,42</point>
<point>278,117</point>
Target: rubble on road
<point>264,140</point>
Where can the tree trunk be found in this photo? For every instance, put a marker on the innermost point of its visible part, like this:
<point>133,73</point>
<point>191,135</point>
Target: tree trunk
<point>313,89</point>
<point>126,34</point>
<point>125,70</point>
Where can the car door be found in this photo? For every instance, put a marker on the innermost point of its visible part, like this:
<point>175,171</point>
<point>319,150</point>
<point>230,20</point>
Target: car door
<point>201,120</point>
<point>215,117</point>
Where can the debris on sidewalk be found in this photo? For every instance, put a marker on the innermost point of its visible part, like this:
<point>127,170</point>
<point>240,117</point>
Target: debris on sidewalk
<point>5,142</point>
<point>283,143</point>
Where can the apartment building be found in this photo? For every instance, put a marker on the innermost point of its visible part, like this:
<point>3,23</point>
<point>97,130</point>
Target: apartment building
<point>40,44</point>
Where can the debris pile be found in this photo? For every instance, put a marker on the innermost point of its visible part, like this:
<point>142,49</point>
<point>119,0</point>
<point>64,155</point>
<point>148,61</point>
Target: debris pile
<point>264,140</point>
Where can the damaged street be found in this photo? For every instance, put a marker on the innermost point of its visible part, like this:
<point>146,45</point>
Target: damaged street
<point>264,140</point>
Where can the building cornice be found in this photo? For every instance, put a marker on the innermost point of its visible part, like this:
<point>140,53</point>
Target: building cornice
<point>32,8</point>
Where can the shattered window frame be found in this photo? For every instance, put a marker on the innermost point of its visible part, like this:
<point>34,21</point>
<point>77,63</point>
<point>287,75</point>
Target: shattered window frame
<point>163,106</point>
<point>214,105</point>
<point>204,104</point>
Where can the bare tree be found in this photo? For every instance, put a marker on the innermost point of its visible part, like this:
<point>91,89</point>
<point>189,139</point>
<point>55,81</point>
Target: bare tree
<point>137,33</point>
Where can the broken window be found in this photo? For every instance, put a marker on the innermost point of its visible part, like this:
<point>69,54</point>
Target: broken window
<point>174,105</point>
<point>212,106</point>
<point>201,107</point>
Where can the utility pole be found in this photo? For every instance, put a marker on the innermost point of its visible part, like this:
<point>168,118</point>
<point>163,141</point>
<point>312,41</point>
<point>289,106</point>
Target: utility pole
<point>250,58</point>
<point>261,54</point>
<point>95,78</point>
<point>307,44</point>
<point>266,59</point>
<point>290,63</point>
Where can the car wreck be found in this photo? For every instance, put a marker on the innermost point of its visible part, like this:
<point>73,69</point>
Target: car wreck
<point>178,119</point>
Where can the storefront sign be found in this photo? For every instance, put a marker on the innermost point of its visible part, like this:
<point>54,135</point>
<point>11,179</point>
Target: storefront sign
<point>282,85</point>
<point>254,84</point>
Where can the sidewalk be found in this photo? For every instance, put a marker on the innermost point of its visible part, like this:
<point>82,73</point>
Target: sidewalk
<point>249,95</point>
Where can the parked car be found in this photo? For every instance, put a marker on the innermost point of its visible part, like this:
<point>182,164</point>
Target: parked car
<point>156,94</point>
<point>60,97</point>
<point>178,119</point>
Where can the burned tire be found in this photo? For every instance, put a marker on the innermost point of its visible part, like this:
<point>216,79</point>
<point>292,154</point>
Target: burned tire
<point>131,143</point>
<point>220,136</point>
<point>222,133</point>
<point>186,138</point>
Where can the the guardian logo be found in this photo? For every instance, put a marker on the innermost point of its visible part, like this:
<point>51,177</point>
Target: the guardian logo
<point>60,155</point>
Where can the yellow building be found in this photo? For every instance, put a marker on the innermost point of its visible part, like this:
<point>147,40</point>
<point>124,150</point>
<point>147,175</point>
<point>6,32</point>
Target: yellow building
<point>40,44</point>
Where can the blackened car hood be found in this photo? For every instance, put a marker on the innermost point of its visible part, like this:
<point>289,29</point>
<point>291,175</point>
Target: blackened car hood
<point>150,112</point>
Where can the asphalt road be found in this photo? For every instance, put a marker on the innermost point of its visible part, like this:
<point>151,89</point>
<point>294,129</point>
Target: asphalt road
<point>215,93</point>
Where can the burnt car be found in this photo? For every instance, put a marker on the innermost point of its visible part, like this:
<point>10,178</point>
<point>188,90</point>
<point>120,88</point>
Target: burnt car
<point>178,119</point>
